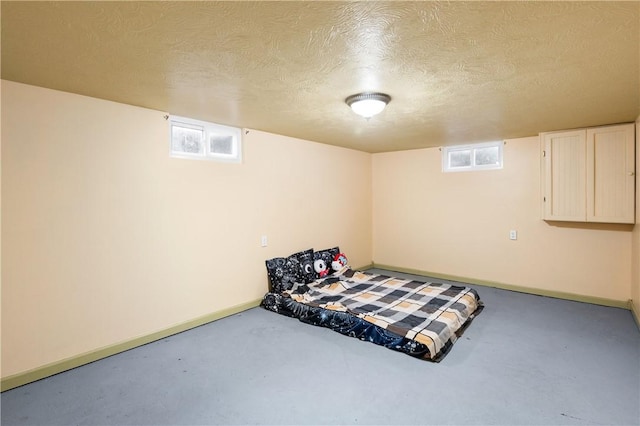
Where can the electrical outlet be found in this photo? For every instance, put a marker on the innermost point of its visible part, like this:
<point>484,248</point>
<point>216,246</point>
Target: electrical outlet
<point>513,234</point>
<point>263,241</point>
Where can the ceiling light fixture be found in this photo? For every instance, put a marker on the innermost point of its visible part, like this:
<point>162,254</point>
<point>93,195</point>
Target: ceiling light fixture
<point>368,104</point>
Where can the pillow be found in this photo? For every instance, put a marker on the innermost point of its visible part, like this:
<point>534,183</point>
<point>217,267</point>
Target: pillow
<point>305,260</point>
<point>282,272</point>
<point>322,261</point>
<point>339,262</point>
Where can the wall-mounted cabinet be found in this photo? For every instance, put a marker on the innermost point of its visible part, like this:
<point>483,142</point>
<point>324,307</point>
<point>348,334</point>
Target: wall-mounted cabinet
<point>589,174</point>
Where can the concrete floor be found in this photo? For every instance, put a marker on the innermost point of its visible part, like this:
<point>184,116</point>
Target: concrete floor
<point>526,360</point>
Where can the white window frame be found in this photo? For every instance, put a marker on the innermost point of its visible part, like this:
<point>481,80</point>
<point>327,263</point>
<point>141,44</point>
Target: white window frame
<point>448,150</point>
<point>208,129</point>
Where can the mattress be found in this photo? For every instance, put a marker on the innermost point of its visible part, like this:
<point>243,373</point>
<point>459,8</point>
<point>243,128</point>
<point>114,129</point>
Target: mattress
<point>422,319</point>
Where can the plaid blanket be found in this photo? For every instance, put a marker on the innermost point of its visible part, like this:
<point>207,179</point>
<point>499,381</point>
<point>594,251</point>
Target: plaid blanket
<point>428,313</point>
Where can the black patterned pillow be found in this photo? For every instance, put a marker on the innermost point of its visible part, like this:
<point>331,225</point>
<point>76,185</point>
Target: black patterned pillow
<point>282,272</point>
<point>305,258</point>
<point>322,261</point>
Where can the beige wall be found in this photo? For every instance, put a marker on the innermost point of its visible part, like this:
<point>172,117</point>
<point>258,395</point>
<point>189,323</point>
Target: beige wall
<point>458,224</point>
<point>635,290</point>
<point>106,238</point>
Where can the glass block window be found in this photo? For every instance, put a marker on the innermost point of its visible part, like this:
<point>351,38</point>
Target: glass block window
<point>202,140</point>
<point>461,158</point>
<point>187,140</point>
<point>482,156</point>
<point>221,144</point>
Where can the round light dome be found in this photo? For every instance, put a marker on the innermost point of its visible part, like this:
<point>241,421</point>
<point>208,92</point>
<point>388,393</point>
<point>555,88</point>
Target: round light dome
<point>368,104</point>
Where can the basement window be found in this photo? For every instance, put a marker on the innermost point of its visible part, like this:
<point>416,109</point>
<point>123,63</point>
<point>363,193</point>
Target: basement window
<point>480,156</point>
<point>201,140</point>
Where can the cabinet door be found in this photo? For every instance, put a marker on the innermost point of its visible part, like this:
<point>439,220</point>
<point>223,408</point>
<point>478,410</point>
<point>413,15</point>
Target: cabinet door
<point>565,175</point>
<point>610,174</point>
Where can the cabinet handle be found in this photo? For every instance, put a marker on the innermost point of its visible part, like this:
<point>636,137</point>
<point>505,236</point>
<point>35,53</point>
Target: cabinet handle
<point>632,173</point>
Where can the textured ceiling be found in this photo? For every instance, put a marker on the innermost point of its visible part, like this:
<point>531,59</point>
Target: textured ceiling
<point>458,72</point>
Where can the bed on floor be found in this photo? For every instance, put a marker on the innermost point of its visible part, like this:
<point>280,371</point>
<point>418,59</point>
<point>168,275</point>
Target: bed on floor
<point>421,319</point>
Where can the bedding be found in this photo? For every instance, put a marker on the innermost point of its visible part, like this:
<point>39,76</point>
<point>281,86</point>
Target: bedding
<point>421,319</point>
